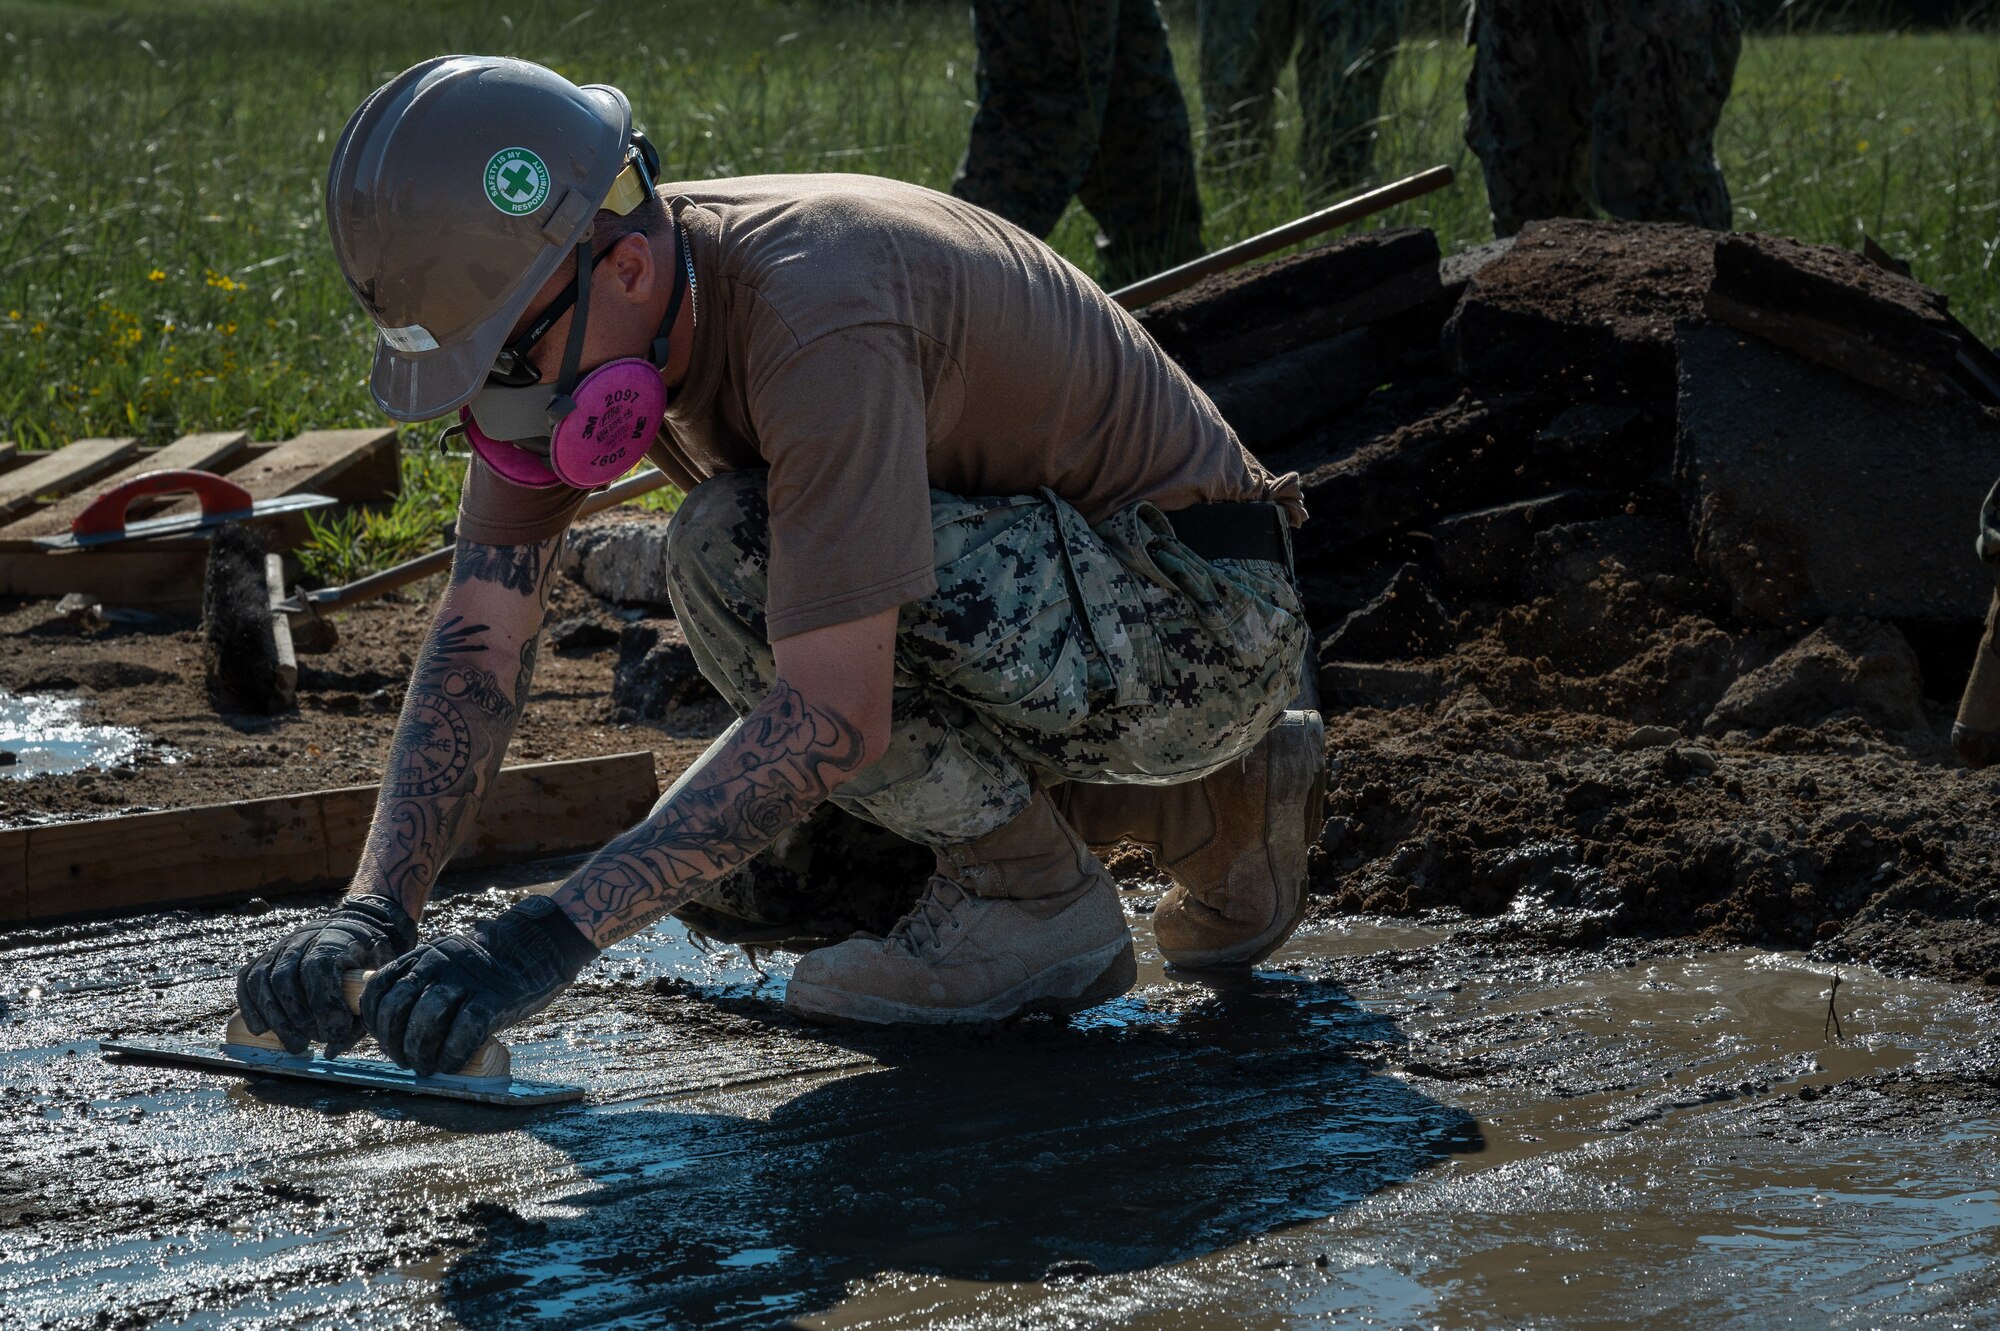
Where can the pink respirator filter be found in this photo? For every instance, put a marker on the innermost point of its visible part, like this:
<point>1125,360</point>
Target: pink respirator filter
<point>617,417</point>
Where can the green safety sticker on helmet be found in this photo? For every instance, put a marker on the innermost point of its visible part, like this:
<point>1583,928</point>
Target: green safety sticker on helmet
<point>516,181</point>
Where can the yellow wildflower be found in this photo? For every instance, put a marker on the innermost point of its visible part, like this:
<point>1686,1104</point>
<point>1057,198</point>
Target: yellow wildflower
<point>157,275</point>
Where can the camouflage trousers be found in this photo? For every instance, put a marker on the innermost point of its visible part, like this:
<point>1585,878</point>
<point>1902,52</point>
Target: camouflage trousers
<point>1078,98</point>
<point>1344,51</point>
<point>1052,651</point>
<point>1606,102</point>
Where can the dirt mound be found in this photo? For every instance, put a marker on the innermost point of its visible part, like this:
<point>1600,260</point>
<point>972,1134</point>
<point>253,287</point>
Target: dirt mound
<point>1590,664</point>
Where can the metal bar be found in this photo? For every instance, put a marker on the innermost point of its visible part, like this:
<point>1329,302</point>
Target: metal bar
<point>1277,238</point>
<point>410,570</point>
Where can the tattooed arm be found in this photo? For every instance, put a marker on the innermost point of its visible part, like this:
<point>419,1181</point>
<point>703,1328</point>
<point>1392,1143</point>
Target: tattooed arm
<point>470,681</point>
<point>825,719</point>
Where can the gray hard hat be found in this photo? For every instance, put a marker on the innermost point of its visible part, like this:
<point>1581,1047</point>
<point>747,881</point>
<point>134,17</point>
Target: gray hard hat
<point>455,190</point>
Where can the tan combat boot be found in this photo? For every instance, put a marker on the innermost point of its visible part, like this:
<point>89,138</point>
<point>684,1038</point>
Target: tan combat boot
<point>1022,920</point>
<point>1233,842</point>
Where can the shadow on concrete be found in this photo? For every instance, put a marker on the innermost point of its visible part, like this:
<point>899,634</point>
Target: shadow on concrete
<point>1135,1138</point>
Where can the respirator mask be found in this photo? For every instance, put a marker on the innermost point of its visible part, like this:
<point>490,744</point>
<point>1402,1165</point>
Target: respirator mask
<point>582,430</point>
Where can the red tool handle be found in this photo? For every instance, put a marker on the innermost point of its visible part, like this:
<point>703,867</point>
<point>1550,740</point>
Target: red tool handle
<point>106,514</point>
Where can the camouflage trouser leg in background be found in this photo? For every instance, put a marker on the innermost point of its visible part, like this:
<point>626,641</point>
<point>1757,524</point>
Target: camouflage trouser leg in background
<point>1051,651</point>
<point>1079,98</point>
<point>1664,70</point>
<point>1244,45</point>
<point>1529,102</point>
<point>1344,51</point>
<point>1608,102</point>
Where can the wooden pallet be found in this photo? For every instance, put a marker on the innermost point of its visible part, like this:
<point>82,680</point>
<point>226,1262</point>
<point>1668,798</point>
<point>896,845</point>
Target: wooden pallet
<point>41,493</point>
<point>300,843</point>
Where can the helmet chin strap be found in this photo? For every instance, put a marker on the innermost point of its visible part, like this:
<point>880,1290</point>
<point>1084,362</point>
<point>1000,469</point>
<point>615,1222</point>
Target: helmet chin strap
<point>661,348</point>
<point>562,404</point>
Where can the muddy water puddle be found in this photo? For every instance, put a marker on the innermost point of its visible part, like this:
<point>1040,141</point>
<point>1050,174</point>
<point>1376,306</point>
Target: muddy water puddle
<point>1388,1125</point>
<point>46,735</point>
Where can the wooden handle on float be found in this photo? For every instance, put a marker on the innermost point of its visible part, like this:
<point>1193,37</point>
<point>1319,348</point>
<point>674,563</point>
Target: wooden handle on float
<point>489,1060</point>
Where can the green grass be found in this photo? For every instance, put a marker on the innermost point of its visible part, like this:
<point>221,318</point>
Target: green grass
<point>164,267</point>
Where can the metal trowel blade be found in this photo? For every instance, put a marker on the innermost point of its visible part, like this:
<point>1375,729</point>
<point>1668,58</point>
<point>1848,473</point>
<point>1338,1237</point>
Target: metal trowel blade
<point>358,1073</point>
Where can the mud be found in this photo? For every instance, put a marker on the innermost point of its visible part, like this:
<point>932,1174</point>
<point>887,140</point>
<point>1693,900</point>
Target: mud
<point>144,673</point>
<point>1392,1123</point>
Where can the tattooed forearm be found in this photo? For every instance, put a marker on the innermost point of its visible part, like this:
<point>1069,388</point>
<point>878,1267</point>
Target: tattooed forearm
<point>766,773</point>
<point>519,568</point>
<point>525,674</point>
<point>458,716</point>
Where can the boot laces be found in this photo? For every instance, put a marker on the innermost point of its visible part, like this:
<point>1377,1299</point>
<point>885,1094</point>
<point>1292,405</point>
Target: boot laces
<point>923,928</point>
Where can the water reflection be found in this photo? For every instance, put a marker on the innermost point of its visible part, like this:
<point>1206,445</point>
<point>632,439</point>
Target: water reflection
<point>46,737</point>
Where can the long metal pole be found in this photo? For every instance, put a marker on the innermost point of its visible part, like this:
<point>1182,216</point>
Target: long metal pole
<point>1277,238</point>
<point>401,575</point>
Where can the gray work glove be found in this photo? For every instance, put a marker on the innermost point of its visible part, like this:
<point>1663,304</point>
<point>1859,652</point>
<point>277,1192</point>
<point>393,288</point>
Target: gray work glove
<point>430,1009</point>
<point>294,989</point>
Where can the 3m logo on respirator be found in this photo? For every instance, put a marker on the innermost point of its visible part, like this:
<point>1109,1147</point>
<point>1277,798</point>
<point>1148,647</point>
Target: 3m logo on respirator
<point>517,181</point>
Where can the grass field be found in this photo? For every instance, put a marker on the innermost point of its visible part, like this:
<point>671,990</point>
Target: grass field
<point>164,267</point>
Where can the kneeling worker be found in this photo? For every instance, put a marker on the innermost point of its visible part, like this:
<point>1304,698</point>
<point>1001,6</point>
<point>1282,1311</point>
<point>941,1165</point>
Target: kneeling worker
<point>970,557</point>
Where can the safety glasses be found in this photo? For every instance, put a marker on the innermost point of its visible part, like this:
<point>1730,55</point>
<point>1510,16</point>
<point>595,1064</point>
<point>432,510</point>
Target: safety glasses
<point>633,185</point>
<point>511,368</point>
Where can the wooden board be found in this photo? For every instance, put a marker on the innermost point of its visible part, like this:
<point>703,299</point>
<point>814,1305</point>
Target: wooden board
<point>10,454</point>
<point>60,472</point>
<point>13,879</point>
<point>358,466</point>
<point>302,843</point>
<point>164,580</point>
<point>199,452</point>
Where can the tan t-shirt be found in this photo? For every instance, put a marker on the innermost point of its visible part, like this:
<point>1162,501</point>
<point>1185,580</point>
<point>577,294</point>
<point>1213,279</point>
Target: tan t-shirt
<point>868,340</point>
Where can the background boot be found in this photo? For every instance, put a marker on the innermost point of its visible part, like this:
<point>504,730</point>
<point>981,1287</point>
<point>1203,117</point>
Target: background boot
<point>1234,843</point>
<point>1022,920</point>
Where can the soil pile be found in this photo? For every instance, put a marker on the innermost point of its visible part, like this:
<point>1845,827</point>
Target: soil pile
<point>1644,581</point>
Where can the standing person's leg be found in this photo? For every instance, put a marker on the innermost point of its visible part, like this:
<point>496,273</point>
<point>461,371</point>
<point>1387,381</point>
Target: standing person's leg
<point>1664,70</point>
<point>1243,45</point>
<point>1043,73</point>
<point>1528,105</point>
<point>1345,50</point>
<point>1141,185</point>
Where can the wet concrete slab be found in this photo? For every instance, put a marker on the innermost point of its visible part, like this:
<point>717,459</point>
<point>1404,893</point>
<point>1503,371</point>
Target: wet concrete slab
<point>1389,1124</point>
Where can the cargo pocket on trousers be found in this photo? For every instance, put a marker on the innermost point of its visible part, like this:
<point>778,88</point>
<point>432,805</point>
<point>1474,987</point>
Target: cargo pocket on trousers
<point>1001,634</point>
<point>1013,688</point>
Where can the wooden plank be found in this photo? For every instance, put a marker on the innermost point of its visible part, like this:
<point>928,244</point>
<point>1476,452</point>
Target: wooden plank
<point>586,801</point>
<point>13,876</point>
<point>312,841</point>
<point>359,466</point>
<point>60,472</point>
<point>10,455</point>
<point>200,452</point>
<point>164,580</point>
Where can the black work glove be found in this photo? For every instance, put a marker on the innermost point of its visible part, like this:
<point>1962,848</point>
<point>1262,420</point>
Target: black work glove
<point>294,989</point>
<point>431,1009</point>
